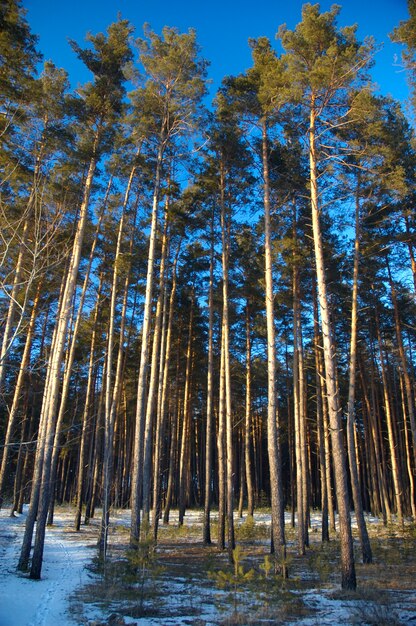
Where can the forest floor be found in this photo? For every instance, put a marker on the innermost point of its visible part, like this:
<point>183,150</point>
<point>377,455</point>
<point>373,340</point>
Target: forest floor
<point>183,583</point>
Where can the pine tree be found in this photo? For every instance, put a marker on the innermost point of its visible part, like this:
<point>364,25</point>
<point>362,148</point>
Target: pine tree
<point>109,55</point>
<point>323,62</point>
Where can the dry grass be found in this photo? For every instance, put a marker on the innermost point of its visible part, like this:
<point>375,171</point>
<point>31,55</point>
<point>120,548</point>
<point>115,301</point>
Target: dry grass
<point>177,580</point>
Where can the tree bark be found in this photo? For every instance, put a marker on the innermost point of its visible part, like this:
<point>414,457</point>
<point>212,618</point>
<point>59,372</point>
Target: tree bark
<point>355,484</point>
<point>273,430</point>
<point>348,577</point>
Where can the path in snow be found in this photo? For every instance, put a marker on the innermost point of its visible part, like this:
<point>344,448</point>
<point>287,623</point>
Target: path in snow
<point>26,602</point>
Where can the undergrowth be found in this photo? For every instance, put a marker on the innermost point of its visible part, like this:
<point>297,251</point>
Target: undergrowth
<point>181,577</point>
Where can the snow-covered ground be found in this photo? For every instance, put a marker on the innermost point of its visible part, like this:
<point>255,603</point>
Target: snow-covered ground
<point>24,602</point>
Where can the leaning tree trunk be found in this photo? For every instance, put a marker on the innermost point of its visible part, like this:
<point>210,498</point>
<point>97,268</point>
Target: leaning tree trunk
<point>49,408</point>
<point>38,461</point>
<point>71,356</point>
<point>14,414</point>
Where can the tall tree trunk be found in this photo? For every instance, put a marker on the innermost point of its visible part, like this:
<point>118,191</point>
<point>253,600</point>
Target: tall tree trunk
<point>71,355</point>
<point>248,419</point>
<point>163,397</point>
<point>39,456</point>
<point>206,532</point>
<point>136,479</point>
<point>273,430</point>
<point>403,360</point>
<point>412,494</point>
<point>298,417</point>
<point>221,451</point>
<point>355,484</point>
<point>173,448</point>
<point>186,422</point>
<point>225,236</point>
<point>322,435</point>
<point>348,578</point>
<point>14,414</point>
<point>113,389</point>
<point>153,380</point>
<point>389,421</point>
<point>86,417</point>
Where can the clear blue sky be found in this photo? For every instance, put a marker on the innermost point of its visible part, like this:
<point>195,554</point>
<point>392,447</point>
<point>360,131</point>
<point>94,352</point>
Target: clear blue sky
<point>223,28</point>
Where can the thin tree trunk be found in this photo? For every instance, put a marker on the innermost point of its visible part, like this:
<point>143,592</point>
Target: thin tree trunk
<point>273,429</point>
<point>403,361</point>
<point>71,356</point>
<point>248,422</point>
<point>389,421</point>
<point>320,422</point>
<point>136,480</point>
<point>355,484</point>
<point>206,532</point>
<point>225,233</point>
<point>54,365</point>
<point>153,380</point>
<point>14,415</point>
<point>163,394</point>
<point>86,414</point>
<point>298,417</point>
<point>408,454</point>
<point>221,452</point>
<point>186,422</point>
<point>113,389</point>
<point>163,397</point>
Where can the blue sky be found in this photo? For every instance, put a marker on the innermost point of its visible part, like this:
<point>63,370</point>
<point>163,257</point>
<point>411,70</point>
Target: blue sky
<point>223,28</point>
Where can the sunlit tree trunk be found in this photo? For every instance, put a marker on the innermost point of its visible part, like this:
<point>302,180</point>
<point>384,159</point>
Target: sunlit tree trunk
<point>49,407</point>
<point>322,435</point>
<point>355,483</point>
<point>206,532</point>
<point>273,435</point>
<point>348,578</point>
<point>390,433</point>
<point>298,417</point>
<point>136,480</point>
<point>186,422</point>
<point>248,419</point>
<point>86,417</point>
<point>163,396</point>
<point>153,380</point>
